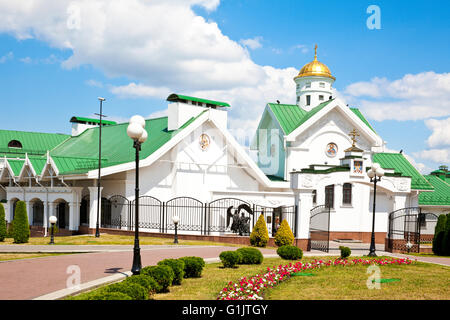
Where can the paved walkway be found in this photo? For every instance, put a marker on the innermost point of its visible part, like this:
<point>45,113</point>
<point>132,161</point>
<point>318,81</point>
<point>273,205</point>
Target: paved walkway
<point>30,278</point>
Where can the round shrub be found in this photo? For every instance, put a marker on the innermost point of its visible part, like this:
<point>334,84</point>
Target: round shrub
<point>290,252</point>
<point>260,235</point>
<point>177,266</point>
<point>229,258</point>
<point>193,266</point>
<point>250,256</point>
<point>2,223</point>
<point>145,281</point>
<point>284,235</point>
<point>345,252</point>
<point>21,231</point>
<point>135,291</point>
<point>162,274</point>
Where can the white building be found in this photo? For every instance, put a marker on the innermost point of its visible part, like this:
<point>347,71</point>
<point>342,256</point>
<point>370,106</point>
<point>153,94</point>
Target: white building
<point>310,153</point>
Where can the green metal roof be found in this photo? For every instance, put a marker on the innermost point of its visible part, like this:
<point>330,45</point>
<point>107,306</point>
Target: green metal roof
<point>440,196</point>
<point>81,119</point>
<point>291,116</point>
<point>80,154</point>
<point>177,97</point>
<point>16,165</point>
<point>359,115</point>
<point>401,165</point>
<point>288,115</point>
<point>33,143</point>
<point>38,163</point>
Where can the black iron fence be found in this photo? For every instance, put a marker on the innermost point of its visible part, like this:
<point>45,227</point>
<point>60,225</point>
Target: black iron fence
<point>319,228</point>
<point>409,228</point>
<point>194,215</point>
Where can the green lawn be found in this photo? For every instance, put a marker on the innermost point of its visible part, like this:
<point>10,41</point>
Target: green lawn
<point>417,281</point>
<point>108,239</point>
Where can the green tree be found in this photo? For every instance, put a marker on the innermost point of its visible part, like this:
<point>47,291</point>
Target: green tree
<point>2,223</point>
<point>284,235</point>
<point>439,231</point>
<point>446,237</point>
<point>260,235</point>
<point>21,231</point>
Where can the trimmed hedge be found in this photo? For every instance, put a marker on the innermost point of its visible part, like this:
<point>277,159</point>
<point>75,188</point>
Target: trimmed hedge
<point>177,266</point>
<point>145,281</point>
<point>345,252</point>
<point>21,231</point>
<point>193,266</point>
<point>229,258</point>
<point>101,294</point>
<point>260,235</point>
<point>135,291</point>
<point>250,256</point>
<point>2,223</point>
<point>290,252</point>
<point>163,275</point>
<point>284,235</point>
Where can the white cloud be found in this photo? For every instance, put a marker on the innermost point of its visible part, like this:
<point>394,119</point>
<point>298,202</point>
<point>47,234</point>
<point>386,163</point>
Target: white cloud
<point>253,44</point>
<point>6,57</point>
<point>94,83</point>
<point>439,156</point>
<point>26,60</point>
<point>413,97</point>
<point>441,132</point>
<point>133,90</point>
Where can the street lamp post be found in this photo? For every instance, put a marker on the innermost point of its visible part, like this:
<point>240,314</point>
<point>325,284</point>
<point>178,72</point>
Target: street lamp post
<point>375,174</point>
<point>175,220</point>
<point>136,131</point>
<point>52,221</point>
<point>99,200</point>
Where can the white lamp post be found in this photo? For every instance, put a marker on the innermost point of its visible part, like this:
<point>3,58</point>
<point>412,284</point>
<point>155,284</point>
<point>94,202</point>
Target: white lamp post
<point>375,174</point>
<point>52,221</point>
<point>136,131</point>
<point>175,220</point>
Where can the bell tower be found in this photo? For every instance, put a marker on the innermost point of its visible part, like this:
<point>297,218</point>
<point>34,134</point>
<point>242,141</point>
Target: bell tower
<point>313,84</point>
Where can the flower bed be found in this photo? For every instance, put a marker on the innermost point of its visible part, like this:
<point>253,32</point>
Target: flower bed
<point>252,288</point>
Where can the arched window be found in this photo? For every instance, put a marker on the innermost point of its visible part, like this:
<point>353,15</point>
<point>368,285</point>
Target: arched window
<point>347,194</point>
<point>15,144</point>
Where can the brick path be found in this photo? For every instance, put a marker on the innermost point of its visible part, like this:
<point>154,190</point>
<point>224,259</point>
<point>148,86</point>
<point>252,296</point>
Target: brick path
<point>30,278</point>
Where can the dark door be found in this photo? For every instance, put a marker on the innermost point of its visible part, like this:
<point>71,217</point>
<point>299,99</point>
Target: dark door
<point>61,215</point>
<point>276,219</point>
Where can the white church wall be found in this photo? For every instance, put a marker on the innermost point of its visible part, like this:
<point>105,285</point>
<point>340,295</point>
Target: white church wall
<point>310,147</point>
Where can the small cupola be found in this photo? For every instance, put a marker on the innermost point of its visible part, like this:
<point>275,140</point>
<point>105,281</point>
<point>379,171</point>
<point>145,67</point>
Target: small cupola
<point>80,124</point>
<point>182,108</point>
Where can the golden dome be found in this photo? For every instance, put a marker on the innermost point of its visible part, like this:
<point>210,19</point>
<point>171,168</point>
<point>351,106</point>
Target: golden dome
<point>315,68</point>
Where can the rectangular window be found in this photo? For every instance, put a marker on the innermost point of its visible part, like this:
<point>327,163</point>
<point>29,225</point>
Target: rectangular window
<point>308,85</point>
<point>347,194</point>
<point>329,196</point>
<point>320,98</point>
<point>308,100</point>
<point>314,193</point>
<point>322,85</point>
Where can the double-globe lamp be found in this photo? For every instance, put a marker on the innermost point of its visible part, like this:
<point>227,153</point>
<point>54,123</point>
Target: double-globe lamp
<point>136,131</point>
<point>375,173</point>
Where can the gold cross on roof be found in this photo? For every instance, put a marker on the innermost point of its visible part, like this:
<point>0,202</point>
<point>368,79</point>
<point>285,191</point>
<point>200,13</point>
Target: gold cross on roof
<point>354,134</point>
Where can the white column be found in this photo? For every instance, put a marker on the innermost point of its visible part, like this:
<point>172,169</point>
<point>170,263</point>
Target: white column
<point>73,216</point>
<point>304,201</point>
<point>93,207</point>
<point>29,206</point>
<point>46,216</point>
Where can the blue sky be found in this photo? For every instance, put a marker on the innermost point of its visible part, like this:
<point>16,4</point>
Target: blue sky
<point>42,90</point>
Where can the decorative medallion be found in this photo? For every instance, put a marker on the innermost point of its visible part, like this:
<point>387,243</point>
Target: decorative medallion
<point>331,150</point>
<point>358,166</point>
<point>204,141</point>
